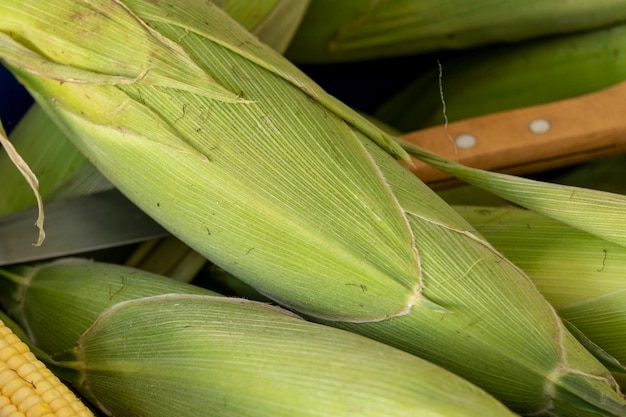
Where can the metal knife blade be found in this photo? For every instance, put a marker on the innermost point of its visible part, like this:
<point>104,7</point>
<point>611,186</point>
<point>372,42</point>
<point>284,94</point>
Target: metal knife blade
<point>82,224</point>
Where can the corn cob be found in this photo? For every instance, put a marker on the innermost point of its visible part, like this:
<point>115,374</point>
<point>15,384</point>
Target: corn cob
<point>118,282</point>
<point>580,274</point>
<point>273,21</point>
<point>63,171</point>
<point>296,194</point>
<point>193,354</point>
<point>500,78</point>
<point>362,29</point>
<point>28,388</point>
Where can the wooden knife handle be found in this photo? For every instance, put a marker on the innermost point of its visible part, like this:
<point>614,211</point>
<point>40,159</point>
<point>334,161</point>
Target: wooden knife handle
<point>530,139</point>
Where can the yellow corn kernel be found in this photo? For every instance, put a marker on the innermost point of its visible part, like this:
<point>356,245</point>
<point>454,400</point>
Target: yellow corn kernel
<point>28,388</point>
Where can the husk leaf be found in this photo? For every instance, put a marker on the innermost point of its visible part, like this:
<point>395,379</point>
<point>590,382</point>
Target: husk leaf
<point>580,274</point>
<point>596,212</point>
<point>361,29</point>
<point>62,171</point>
<point>217,356</point>
<point>45,296</point>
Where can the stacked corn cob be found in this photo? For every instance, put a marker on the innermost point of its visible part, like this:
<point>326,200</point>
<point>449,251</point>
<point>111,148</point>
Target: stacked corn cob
<point>28,387</point>
<point>193,353</point>
<point>62,171</point>
<point>580,274</point>
<point>362,29</point>
<point>298,195</point>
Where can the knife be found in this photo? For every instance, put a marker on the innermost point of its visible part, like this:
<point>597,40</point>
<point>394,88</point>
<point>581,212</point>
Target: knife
<point>530,139</point>
<point>517,142</point>
<point>82,224</point>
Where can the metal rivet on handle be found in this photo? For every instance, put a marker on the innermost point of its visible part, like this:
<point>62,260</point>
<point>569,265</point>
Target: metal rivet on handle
<point>465,141</point>
<point>539,126</point>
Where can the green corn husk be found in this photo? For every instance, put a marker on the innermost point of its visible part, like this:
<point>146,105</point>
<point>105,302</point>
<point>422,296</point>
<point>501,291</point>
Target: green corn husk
<point>62,171</point>
<point>25,291</point>
<point>251,164</point>
<point>203,355</point>
<point>593,211</point>
<point>581,275</point>
<point>362,29</point>
<point>500,78</point>
<point>274,22</point>
<point>227,283</point>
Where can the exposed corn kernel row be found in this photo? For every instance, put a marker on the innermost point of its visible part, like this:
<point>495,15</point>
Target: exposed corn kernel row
<point>28,388</point>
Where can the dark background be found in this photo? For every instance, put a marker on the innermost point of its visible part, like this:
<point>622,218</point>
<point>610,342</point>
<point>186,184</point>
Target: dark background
<point>14,100</point>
